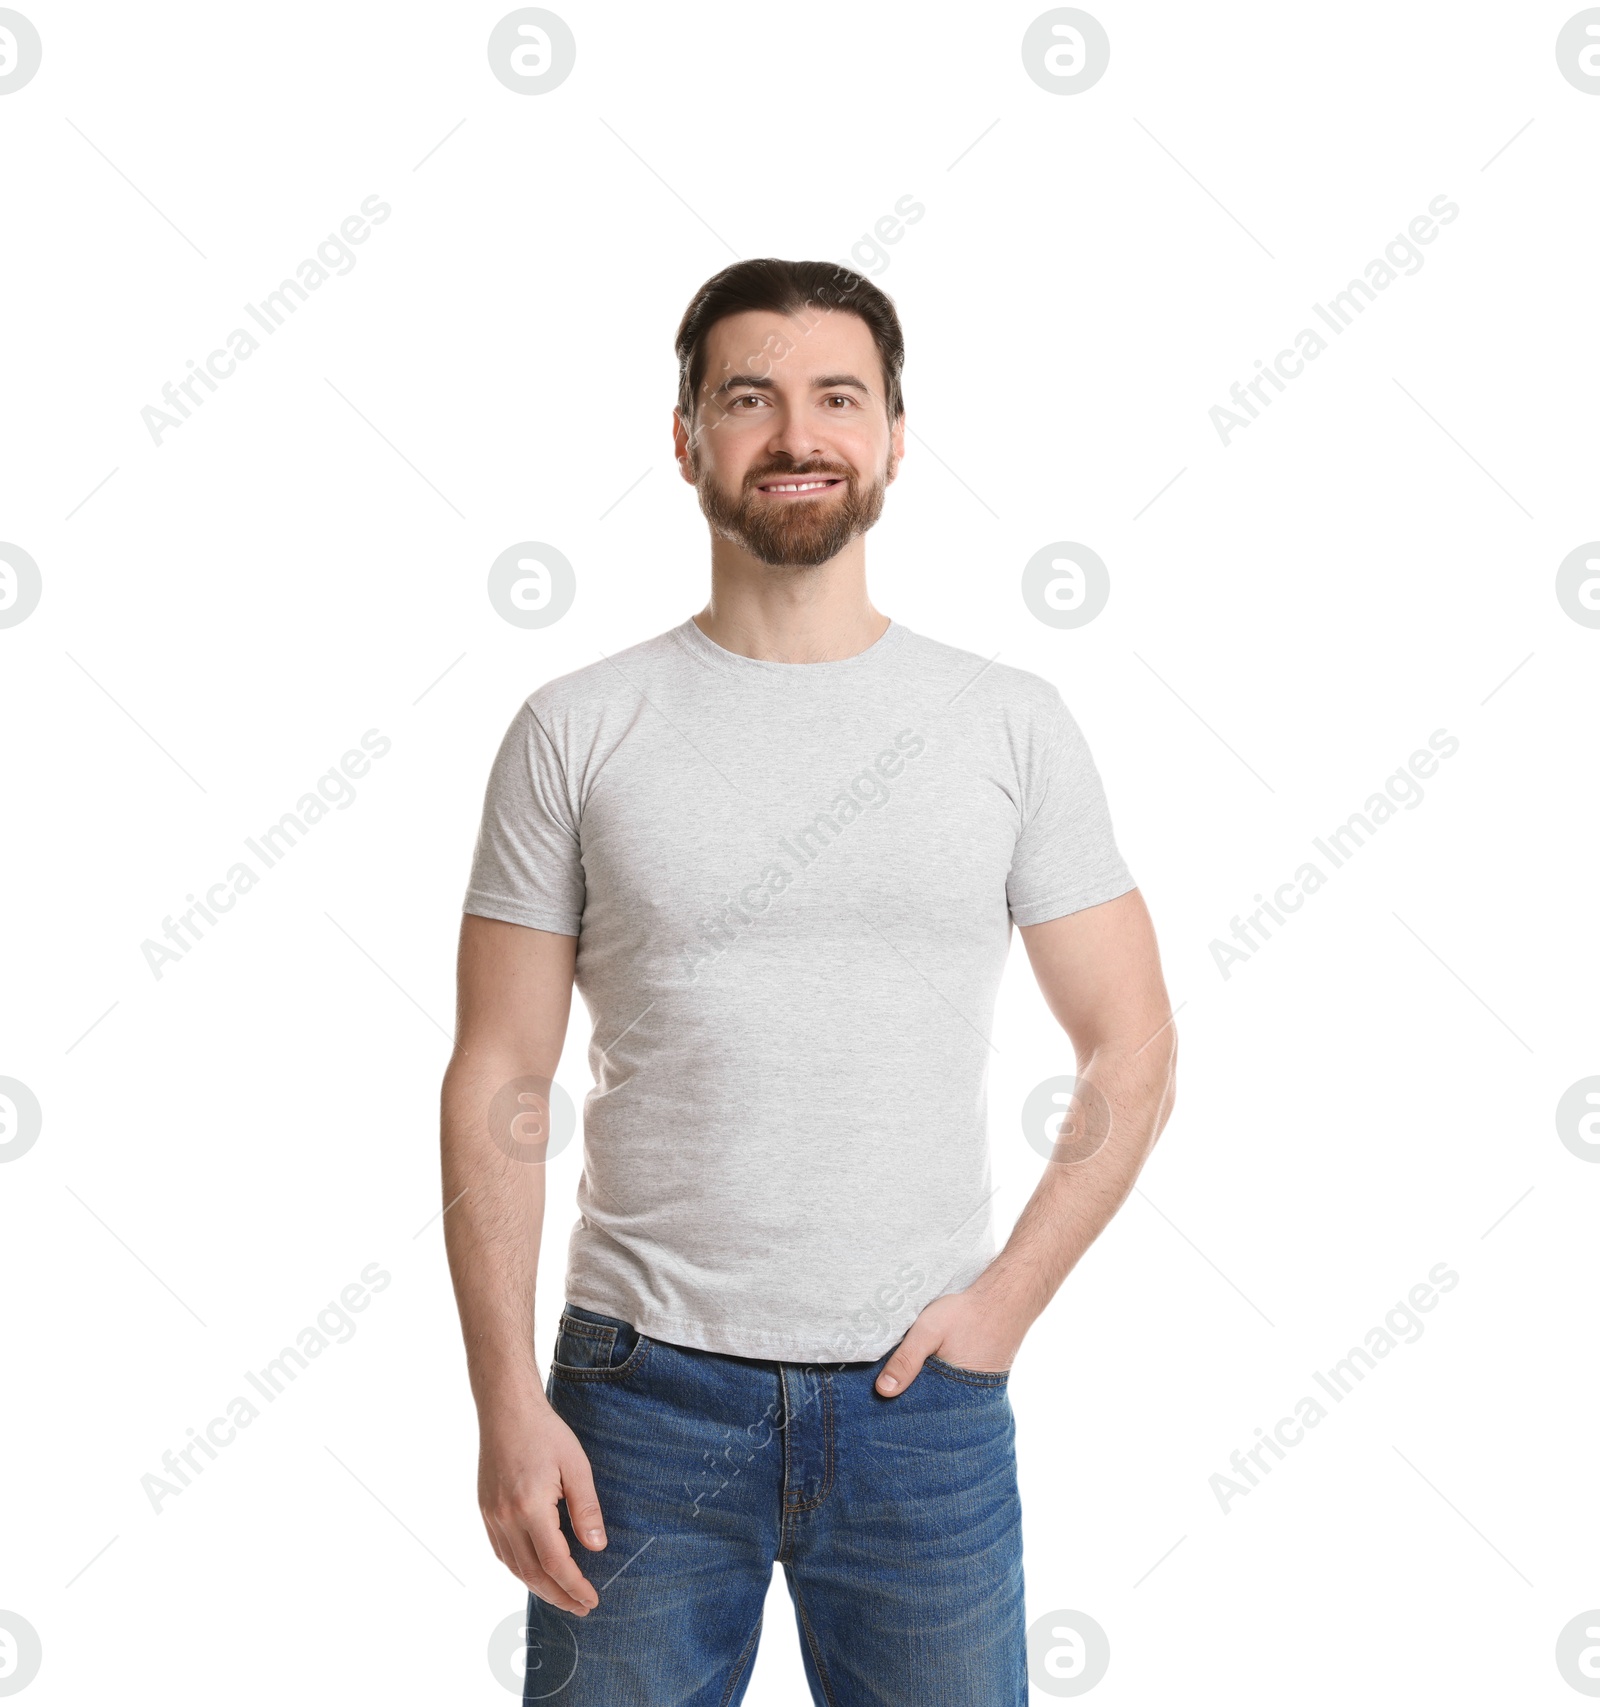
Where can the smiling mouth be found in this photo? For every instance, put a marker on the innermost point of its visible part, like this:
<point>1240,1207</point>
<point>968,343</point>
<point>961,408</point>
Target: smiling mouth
<point>801,488</point>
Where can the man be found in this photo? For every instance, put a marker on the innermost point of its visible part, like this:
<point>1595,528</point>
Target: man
<point>780,849</point>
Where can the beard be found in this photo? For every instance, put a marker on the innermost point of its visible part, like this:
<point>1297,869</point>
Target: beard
<point>792,533</point>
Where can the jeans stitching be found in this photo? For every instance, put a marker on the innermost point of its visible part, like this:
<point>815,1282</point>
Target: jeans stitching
<point>612,1373</point>
<point>785,1528</point>
<point>743,1660</point>
<point>787,1425</point>
<point>812,1643</point>
<point>587,1330</point>
<point>596,1333</point>
<point>826,1380</point>
<point>829,1438</point>
<point>972,1377</point>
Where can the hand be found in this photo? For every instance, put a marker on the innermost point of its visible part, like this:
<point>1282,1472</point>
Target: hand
<point>971,1329</point>
<point>528,1459</point>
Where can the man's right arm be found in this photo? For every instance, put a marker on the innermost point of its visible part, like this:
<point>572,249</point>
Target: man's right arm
<point>514,993</point>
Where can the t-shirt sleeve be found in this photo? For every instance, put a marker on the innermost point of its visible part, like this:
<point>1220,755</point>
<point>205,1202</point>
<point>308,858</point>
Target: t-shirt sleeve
<point>1066,856</point>
<point>527,868</point>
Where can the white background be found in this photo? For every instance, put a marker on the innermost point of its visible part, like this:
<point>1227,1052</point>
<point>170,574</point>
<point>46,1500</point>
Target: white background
<point>1373,1093</point>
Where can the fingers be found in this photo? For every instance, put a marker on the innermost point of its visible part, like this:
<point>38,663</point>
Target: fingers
<point>516,1548</point>
<point>523,1564</point>
<point>554,1558</point>
<point>583,1504</point>
<point>905,1363</point>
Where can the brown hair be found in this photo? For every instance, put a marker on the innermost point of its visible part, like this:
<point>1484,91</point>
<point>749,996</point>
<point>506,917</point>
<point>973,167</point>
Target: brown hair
<point>790,288</point>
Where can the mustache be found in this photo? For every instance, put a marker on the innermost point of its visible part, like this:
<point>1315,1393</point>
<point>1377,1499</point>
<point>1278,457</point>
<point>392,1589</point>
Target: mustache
<point>805,472</point>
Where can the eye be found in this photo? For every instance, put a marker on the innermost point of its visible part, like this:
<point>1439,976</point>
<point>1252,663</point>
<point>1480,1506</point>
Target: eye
<point>746,397</point>
<point>841,397</point>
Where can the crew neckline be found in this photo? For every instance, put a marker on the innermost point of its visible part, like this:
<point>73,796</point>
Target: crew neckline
<point>690,635</point>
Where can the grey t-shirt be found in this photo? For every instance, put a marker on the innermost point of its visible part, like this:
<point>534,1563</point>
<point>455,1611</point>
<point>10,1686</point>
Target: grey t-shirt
<point>792,887</point>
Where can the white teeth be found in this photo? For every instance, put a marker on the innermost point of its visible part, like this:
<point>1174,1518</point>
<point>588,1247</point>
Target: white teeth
<point>802,486</point>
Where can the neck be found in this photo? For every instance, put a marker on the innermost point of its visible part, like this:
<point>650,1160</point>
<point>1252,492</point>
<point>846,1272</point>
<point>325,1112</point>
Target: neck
<point>791,616</point>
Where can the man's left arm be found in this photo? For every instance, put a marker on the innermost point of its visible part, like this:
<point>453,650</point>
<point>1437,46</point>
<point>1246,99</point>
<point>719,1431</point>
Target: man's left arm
<point>1100,972</point>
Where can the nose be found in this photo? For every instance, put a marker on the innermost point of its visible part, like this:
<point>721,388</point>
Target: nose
<point>794,436</point>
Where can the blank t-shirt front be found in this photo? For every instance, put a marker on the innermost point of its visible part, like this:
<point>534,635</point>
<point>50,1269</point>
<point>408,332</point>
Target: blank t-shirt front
<point>792,887</point>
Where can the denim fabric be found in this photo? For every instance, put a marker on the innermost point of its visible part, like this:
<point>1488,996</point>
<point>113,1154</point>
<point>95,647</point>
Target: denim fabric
<point>896,1521</point>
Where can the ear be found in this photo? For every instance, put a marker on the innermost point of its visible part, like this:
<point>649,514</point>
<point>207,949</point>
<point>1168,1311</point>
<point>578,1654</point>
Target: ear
<point>680,447</point>
<point>897,443</point>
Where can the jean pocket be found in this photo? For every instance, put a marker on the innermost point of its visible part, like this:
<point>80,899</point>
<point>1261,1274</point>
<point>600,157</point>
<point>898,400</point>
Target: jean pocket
<point>972,1377</point>
<point>592,1347</point>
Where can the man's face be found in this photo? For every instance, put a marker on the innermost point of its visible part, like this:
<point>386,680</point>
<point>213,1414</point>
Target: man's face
<point>792,447</point>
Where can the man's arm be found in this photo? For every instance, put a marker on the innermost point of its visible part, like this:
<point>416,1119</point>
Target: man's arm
<point>514,992</point>
<point>1100,972</point>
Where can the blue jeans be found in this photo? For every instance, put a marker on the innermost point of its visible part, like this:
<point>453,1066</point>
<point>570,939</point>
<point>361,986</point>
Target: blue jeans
<point>896,1521</point>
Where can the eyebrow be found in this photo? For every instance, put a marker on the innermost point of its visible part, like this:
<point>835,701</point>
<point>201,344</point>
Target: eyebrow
<point>760,382</point>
